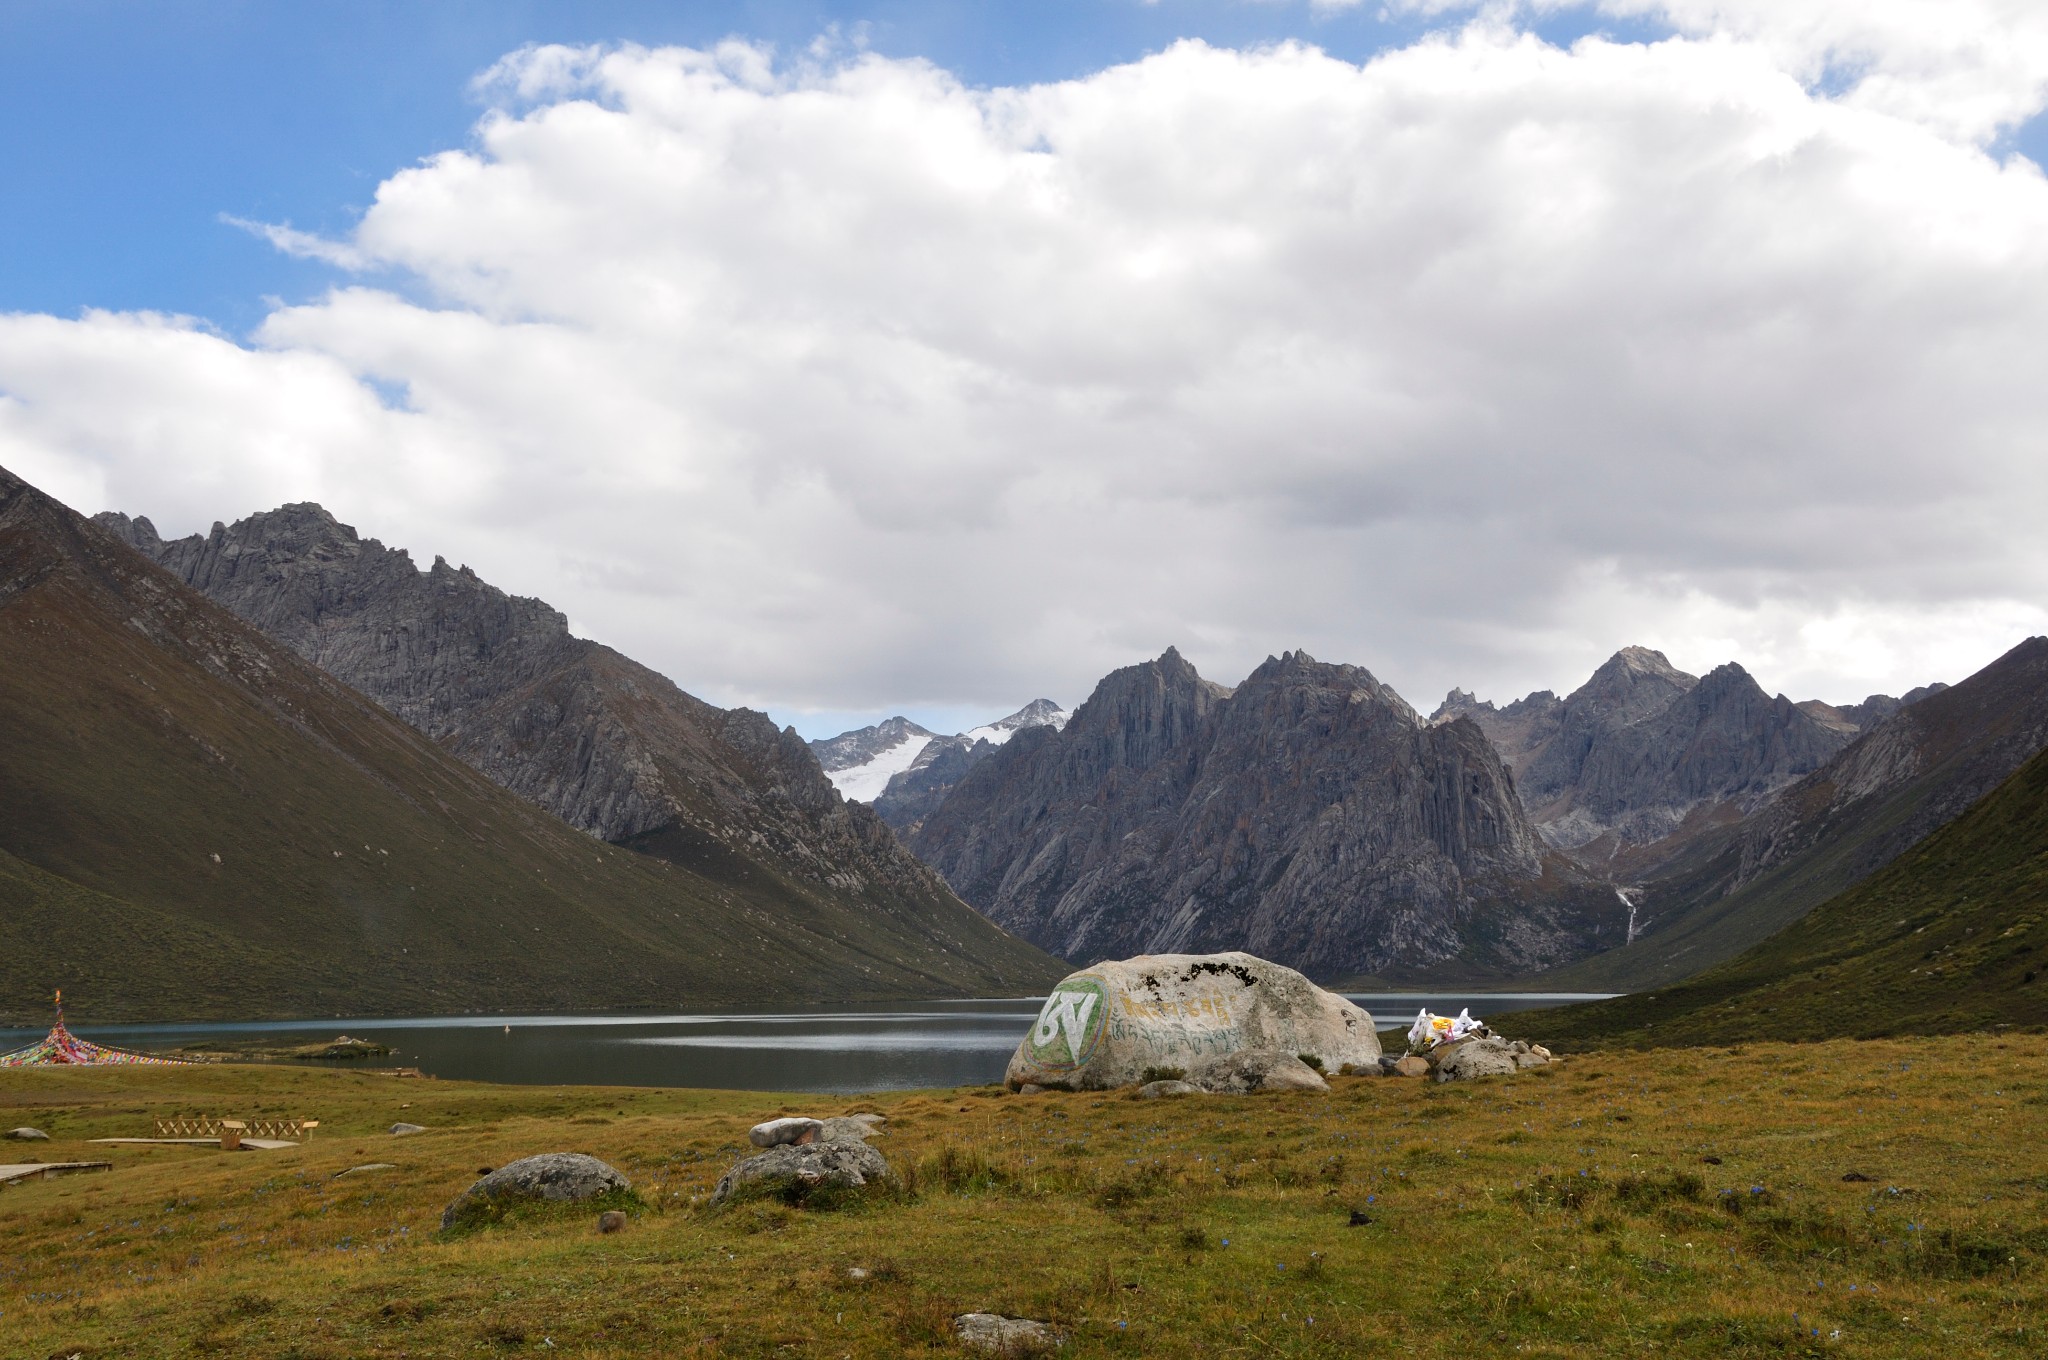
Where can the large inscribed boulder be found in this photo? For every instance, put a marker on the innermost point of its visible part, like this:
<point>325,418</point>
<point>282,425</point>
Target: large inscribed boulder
<point>1110,1024</point>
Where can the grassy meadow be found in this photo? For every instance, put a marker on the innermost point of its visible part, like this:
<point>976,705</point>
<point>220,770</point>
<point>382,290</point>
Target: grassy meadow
<point>1881,1198</point>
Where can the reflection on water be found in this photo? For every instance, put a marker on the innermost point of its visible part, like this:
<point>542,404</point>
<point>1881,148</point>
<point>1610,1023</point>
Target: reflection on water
<point>841,1048</point>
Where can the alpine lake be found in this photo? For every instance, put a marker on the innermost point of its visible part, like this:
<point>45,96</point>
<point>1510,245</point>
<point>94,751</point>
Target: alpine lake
<point>843,1048</point>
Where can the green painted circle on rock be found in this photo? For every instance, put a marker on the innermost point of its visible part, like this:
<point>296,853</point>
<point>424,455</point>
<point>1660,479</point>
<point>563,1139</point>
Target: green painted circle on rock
<point>1070,1025</point>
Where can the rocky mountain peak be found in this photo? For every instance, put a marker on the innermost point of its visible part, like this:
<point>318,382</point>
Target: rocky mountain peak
<point>1460,703</point>
<point>862,745</point>
<point>1306,815</point>
<point>1632,684</point>
<point>1140,712</point>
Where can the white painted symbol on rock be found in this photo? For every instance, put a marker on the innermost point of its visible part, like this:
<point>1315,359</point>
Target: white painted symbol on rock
<point>1065,1013</point>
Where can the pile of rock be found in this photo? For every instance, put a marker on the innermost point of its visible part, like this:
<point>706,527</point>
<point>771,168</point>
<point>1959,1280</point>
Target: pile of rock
<point>804,1155</point>
<point>1486,1055</point>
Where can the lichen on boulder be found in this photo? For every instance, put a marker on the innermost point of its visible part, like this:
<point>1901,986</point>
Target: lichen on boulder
<point>1111,1024</point>
<point>549,1178</point>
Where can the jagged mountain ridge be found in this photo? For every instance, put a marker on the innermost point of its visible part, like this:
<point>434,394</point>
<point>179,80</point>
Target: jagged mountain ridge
<point>608,745</point>
<point>1308,815</point>
<point>1643,749</point>
<point>1896,784</point>
<point>195,821</point>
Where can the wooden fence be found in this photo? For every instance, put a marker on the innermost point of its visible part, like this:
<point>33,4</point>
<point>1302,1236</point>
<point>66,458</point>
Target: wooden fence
<point>198,1127</point>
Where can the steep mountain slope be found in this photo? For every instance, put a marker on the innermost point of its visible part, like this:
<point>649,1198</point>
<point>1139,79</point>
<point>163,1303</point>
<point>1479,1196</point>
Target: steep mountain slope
<point>1643,749</point>
<point>912,794</point>
<point>603,742</point>
<point>196,822</point>
<point>1950,937</point>
<point>1307,816</point>
<point>1913,773</point>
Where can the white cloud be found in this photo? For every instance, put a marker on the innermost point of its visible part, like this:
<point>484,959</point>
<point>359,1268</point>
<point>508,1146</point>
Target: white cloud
<point>837,384</point>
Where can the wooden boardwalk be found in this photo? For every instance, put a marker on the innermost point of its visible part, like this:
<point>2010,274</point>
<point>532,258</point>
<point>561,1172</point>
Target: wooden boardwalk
<point>247,1144</point>
<point>41,1171</point>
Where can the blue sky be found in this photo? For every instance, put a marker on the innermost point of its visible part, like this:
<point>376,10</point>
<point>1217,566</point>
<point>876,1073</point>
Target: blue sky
<point>135,126</point>
<point>1470,366</point>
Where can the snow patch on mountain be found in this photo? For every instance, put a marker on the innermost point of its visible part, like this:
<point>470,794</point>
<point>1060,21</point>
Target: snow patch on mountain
<point>861,763</point>
<point>864,783</point>
<point>1037,713</point>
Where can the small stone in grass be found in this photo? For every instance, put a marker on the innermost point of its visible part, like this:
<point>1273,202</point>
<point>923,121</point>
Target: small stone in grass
<point>1004,1335</point>
<point>399,1130</point>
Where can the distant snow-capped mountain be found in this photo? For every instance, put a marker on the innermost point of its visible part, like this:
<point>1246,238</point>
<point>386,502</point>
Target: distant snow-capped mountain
<point>861,763</point>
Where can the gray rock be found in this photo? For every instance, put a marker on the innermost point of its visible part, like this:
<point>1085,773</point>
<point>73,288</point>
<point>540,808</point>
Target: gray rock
<point>400,1129</point>
<point>792,1129</point>
<point>25,1134</point>
<point>852,1128</point>
<point>1155,1090</point>
<point>1109,1025</point>
<point>1255,1070</point>
<point>568,1177</point>
<point>1031,1088</point>
<point>1001,1335</point>
<point>851,1165</point>
<point>1491,1057</point>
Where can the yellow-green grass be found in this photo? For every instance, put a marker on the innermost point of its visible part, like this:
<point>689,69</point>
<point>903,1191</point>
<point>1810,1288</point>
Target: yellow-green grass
<point>1552,1213</point>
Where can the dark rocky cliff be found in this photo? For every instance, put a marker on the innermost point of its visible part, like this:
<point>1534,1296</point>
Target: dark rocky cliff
<point>603,742</point>
<point>1914,772</point>
<point>1308,816</point>
<point>1643,749</point>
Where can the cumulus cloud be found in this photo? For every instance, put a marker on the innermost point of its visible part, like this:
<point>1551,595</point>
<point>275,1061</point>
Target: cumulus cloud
<point>834,383</point>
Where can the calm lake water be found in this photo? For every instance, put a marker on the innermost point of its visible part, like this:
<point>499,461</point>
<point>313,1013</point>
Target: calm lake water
<point>841,1048</point>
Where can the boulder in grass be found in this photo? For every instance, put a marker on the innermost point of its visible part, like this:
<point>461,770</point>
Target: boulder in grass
<point>1255,1070</point>
<point>25,1134</point>
<point>551,1177</point>
<point>1106,1025</point>
<point>778,1132</point>
<point>1159,1090</point>
<point>400,1129</point>
<point>851,1128</point>
<point>1491,1057</point>
<point>796,1171</point>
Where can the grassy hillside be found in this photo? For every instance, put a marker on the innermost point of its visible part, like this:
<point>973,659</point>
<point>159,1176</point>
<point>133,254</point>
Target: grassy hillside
<point>1952,936</point>
<point>1738,886</point>
<point>1670,1204</point>
<point>197,823</point>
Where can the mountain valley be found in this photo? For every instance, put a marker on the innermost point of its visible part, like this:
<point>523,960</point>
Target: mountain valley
<point>197,821</point>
